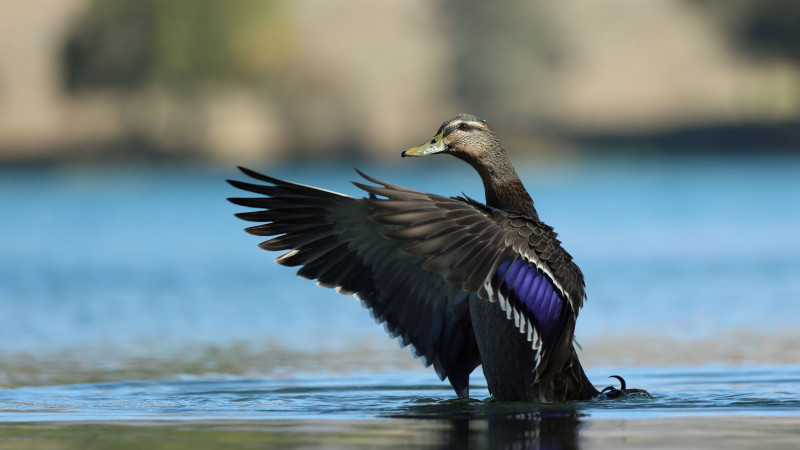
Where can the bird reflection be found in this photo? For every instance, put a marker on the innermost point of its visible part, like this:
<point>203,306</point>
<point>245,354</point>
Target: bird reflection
<point>502,426</point>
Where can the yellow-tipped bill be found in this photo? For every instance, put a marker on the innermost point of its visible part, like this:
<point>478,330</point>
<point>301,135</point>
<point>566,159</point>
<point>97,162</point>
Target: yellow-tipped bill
<point>435,145</point>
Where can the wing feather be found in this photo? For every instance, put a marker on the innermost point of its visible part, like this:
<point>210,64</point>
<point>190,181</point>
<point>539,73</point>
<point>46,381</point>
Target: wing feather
<point>467,242</point>
<point>334,239</point>
<point>415,259</point>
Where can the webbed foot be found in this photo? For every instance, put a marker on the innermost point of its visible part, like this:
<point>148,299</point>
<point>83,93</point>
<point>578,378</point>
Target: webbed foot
<point>611,392</point>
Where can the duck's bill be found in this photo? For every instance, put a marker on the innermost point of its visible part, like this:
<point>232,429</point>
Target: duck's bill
<point>434,145</point>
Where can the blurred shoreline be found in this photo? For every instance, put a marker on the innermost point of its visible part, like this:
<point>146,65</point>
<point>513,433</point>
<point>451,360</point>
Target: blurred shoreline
<point>270,359</point>
<point>85,81</point>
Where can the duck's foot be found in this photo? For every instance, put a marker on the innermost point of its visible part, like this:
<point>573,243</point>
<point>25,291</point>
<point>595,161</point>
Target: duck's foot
<point>610,392</point>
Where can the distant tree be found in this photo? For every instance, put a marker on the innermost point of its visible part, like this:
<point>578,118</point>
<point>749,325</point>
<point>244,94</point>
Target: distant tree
<point>501,53</point>
<point>128,43</point>
<point>113,45</point>
<point>761,27</point>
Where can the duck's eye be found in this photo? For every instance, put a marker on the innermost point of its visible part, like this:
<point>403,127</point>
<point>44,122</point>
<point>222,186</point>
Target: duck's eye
<point>463,127</point>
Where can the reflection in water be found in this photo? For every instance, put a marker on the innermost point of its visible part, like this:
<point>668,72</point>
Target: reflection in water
<point>393,410</point>
<point>505,426</point>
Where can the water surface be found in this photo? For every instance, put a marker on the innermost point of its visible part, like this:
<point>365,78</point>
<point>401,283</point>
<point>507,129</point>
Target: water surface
<point>130,298</point>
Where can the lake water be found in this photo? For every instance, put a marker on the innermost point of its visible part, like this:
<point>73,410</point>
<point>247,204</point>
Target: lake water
<point>133,308</point>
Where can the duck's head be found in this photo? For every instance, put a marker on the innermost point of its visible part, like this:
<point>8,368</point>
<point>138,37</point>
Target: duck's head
<point>470,138</point>
<point>465,136</point>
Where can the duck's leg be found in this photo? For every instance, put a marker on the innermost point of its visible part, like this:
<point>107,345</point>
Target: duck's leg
<point>507,359</point>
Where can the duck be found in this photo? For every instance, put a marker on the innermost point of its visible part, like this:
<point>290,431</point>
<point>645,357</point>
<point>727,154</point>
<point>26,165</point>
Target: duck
<point>463,283</point>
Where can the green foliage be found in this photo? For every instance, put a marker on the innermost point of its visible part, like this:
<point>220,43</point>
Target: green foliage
<point>113,45</point>
<point>761,28</point>
<point>501,53</point>
<point>130,43</point>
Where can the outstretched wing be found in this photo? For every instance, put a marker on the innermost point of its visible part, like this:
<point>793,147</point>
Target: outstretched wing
<point>331,237</point>
<point>503,257</point>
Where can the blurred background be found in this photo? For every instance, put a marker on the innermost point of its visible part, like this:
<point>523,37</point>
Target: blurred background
<point>263,81</point>
<point>660,139</point>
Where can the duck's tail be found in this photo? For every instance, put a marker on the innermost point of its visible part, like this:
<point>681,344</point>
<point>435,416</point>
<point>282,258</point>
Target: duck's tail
<point>571,383</point>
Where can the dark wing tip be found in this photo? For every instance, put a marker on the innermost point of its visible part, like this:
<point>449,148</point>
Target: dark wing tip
<point>250,187</point>
<point>369,178</point>
<point>250,202</point>
<point>248,172</point>
<point>258,175</point>
<point>386,185</point>
<point>366,187</point>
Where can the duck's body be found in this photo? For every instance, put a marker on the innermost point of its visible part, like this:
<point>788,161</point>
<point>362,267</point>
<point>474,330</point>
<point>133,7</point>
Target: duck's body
<point>464,283</point>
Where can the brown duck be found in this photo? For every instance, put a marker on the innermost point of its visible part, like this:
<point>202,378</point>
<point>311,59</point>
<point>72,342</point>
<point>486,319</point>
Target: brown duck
<point>463,283</point>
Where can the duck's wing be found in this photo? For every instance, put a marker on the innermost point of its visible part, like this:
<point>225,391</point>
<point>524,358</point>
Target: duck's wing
<point>332,238</point>
<point>503,257</point>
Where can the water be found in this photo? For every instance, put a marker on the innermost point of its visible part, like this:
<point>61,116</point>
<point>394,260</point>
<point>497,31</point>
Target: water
<point>689,407</point>
<point>676,392</point>
<point>132,305</point>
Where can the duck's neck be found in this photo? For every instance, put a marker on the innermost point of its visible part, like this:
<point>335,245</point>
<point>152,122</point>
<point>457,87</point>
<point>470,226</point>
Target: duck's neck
<point>504,189</point>
<point>509,195</point>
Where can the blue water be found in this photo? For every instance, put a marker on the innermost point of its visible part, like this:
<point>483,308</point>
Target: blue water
<point>677,392</point>
<point>677,248</point>
<point>132,293</point>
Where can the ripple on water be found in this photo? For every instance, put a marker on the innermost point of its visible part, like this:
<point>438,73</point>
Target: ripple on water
<point>763,390</point>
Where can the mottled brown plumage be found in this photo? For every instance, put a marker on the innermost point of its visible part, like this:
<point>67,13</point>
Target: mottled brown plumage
<point>463,283</point>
